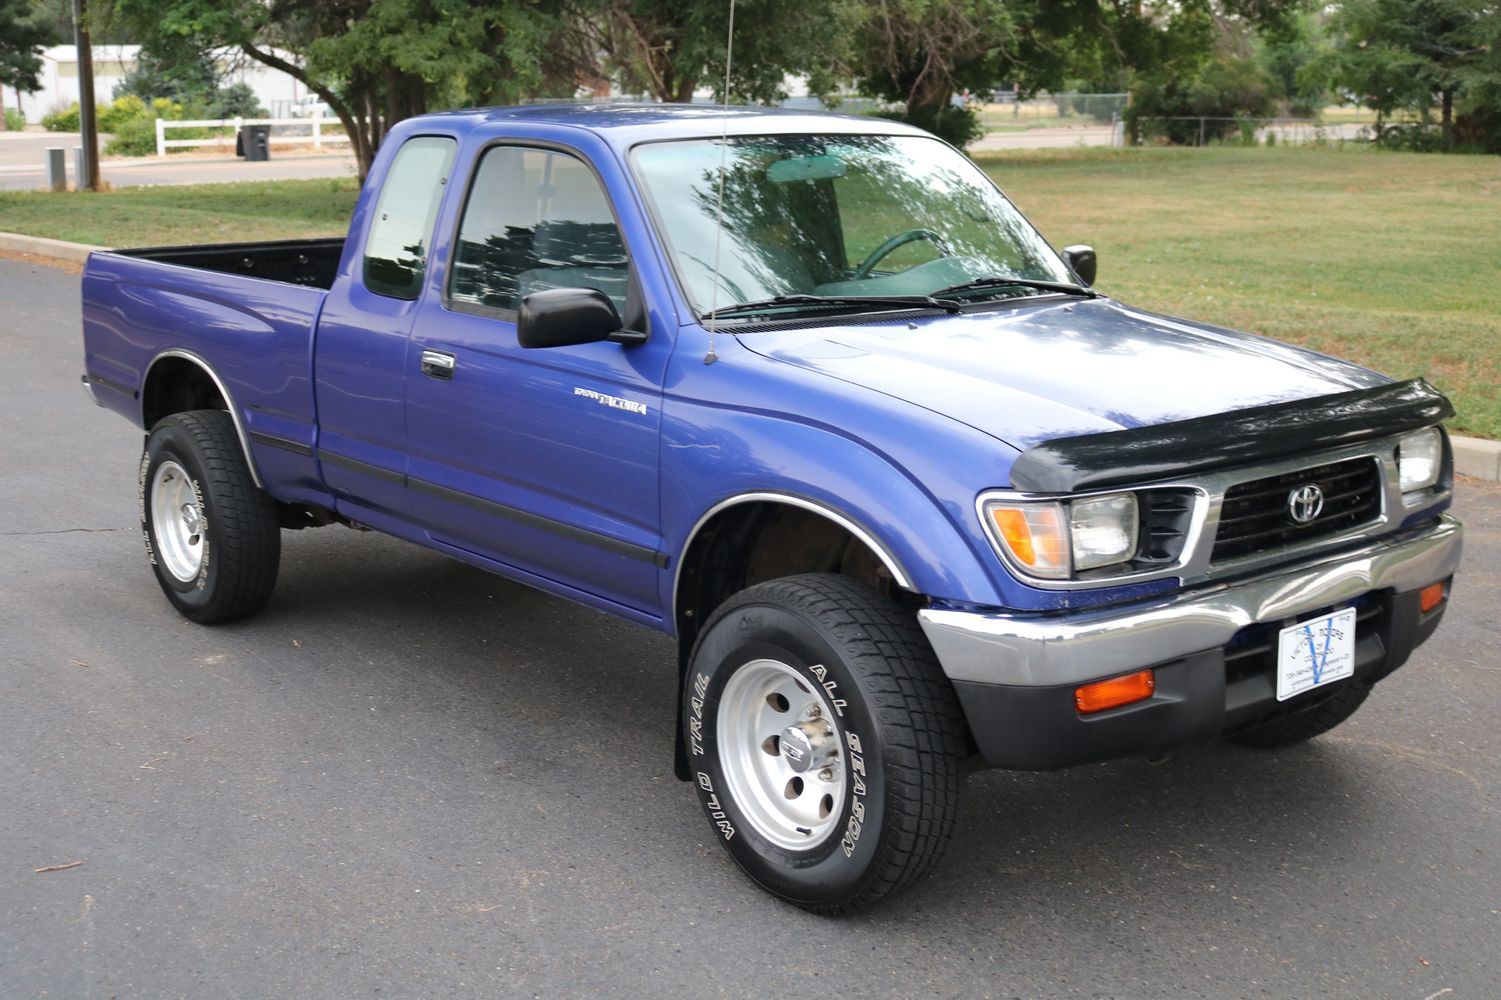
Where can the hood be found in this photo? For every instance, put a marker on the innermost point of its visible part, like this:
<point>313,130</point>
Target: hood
<point>1036,372</point>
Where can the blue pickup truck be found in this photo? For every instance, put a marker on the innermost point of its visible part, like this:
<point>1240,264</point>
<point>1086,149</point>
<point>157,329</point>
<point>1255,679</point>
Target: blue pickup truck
<point>809,394</point>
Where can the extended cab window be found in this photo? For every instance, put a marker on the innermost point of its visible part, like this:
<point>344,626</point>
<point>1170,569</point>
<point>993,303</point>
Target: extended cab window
<point>536,219</point>
<point>396,252</point>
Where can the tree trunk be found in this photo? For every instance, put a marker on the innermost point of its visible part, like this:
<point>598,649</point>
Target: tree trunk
<point>1448,120</point>
<point>928,97</point>
<point>358,131</point>
<point>2,107</point>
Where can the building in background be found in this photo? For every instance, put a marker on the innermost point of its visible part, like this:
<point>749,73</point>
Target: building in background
<point>278,92</point>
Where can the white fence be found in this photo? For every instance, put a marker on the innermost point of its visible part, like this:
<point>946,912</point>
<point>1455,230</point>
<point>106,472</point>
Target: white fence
<point>311,132</point>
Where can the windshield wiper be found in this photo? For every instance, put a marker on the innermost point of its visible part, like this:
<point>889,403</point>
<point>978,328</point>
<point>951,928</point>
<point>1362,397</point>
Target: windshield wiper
<point>838,301</point>
<point>999,281</point>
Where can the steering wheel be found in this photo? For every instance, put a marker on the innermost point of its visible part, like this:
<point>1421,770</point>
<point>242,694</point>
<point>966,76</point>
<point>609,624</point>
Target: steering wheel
<point>899,240</point>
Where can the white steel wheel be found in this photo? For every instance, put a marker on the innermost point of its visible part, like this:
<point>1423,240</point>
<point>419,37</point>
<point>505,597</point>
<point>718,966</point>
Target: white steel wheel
<point>177,521</point>
<point>780,747</point>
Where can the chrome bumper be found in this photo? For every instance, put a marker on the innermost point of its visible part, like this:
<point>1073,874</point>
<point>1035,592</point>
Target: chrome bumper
<point>994,648</point>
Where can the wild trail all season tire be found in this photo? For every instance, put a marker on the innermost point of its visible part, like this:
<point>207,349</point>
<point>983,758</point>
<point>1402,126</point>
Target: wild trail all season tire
<point>1303,720</point>
<point>212,536</point>
<point>824,741</point>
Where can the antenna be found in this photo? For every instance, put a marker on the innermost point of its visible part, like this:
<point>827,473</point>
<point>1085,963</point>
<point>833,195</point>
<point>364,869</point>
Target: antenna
<point>724,138</point>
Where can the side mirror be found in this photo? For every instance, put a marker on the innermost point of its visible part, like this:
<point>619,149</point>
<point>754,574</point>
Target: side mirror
<point>1081,258</point>
<point>562,317</point>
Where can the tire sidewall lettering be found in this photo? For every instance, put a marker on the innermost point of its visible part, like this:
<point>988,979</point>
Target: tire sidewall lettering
<point>748,634</point>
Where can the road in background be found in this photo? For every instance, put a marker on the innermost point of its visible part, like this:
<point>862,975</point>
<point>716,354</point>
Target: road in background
<point>23,165</point>
<point>406,778</point>
<point>1042,138</point>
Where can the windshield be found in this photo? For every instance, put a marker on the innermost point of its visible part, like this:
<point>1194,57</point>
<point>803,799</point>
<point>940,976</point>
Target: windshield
<point>837,216</point>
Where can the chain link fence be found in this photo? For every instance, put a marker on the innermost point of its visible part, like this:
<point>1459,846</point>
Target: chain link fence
<point>1212,130</point>
<point>1003,107</point>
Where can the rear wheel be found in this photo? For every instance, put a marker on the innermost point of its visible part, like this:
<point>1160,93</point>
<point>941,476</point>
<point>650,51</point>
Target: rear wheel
<point>824,741</point>
<point>213,537</point>
<point>1303,721</point>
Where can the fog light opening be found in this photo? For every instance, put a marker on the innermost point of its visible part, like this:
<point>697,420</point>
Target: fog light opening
<point>1115,692</point>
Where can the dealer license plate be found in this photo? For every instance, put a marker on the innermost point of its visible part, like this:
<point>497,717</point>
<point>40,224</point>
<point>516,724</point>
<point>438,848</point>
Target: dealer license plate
<point>1316,652</point>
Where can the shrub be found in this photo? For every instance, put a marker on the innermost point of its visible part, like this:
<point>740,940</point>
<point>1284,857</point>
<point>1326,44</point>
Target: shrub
<point>134,131</point>
<point>14,120</point>
<point>1214,105</point>
<point>65,120</point>
<point>121,110</point>
<point>957,125</point>
<point>235,101</point>
<point>1479,127</point>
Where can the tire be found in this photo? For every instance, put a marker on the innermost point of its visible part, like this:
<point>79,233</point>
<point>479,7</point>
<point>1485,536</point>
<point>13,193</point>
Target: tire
<point>1296,723</point>
<point>822,672</point>
<point>212,536</point>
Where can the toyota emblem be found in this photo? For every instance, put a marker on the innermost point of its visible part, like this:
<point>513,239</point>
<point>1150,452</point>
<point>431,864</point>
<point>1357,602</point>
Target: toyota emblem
<point>1305,503</point>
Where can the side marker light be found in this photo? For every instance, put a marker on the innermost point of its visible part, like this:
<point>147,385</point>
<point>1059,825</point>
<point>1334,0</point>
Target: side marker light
<point>1431,597</point>
<point>1115,692</point>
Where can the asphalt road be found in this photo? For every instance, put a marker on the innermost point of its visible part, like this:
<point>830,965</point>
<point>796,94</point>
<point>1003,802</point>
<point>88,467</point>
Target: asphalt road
<point>23,165</point>
<point>409,779</point>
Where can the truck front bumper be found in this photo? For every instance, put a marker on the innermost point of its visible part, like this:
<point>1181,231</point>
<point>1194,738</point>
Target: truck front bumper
<point>1212,649</point>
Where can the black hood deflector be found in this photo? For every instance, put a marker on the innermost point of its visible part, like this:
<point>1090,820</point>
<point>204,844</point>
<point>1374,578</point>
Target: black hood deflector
<point>1260,433</point>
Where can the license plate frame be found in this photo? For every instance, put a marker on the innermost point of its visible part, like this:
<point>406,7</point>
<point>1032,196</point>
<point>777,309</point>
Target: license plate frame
<point>1315,653</point>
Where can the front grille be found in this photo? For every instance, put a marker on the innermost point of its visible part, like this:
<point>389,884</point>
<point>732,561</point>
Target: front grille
<point>1255,515</point>
<point>1165,519</point>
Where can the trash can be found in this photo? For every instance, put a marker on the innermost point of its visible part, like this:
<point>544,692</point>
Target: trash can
<point>253,142</point>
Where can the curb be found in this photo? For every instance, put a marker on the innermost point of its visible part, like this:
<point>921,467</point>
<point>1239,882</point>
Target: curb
<point>41,246</point>
<point>1475,457</point>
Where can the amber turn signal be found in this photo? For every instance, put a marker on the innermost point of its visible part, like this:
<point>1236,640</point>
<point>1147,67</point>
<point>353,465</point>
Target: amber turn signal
<point>1431,597</point>
<point>1115,692</point>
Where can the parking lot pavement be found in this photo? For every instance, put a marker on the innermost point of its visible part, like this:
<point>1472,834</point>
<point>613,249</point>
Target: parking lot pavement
<point>409,779</point>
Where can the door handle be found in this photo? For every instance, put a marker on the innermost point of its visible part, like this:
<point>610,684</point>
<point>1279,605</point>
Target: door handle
<point>438,364</point>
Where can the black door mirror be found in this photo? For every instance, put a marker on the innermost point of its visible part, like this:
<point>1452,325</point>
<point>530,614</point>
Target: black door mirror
<point>1081,258</point>
<point>562,317</point>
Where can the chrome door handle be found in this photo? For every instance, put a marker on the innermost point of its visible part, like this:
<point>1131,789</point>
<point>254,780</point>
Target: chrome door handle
<point>438,364</point>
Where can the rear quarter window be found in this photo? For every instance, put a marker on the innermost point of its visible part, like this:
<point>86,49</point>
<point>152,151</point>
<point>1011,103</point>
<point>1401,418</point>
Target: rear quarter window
<point>401,235</point>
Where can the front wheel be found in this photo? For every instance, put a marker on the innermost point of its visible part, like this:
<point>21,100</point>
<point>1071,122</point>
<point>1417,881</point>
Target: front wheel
<point>212,536</point>
<point>824,741</point>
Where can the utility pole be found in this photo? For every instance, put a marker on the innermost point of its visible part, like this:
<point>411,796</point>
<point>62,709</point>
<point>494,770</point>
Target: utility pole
<point>86,122</point>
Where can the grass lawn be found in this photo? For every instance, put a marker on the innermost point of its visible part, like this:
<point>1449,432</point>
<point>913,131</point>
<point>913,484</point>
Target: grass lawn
<point>199,213</point>
<point>1390,259</point>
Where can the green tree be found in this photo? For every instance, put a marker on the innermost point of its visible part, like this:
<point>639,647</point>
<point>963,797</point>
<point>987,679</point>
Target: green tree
<point>1149,48</point>
<point>185,80</point>
<point>1413,55</point>
<point>1287,58</point>
<point>375,62</point>
<point>669,49</point>
<point>922,52</point>
<point>22,36</point>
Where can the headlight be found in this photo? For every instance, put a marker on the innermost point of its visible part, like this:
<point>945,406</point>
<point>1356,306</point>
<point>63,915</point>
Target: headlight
<point>1052,539</point>
<point>1420,459</point>
<point>1104,530</point>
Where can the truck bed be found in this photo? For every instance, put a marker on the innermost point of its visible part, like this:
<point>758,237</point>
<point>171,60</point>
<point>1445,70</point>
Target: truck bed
<point>243,311</point>
<point>312,263</point>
